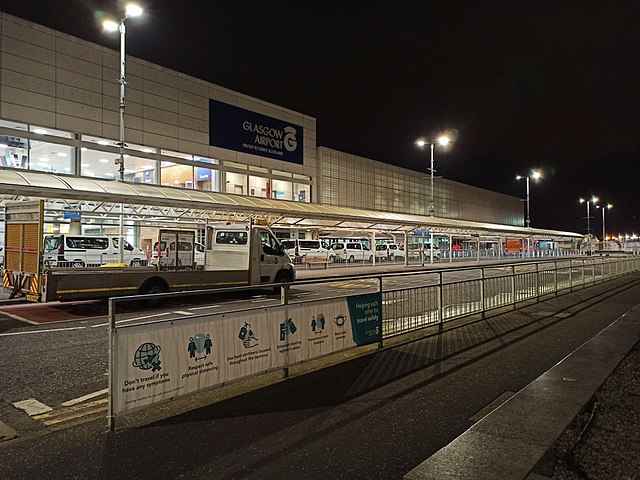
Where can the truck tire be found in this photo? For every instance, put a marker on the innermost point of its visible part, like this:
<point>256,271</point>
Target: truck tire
<point>153,285</point>
<point>282,277</point>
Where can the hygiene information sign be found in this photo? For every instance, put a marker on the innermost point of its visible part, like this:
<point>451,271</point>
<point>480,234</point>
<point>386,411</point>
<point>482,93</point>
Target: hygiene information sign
<point>157,362</point>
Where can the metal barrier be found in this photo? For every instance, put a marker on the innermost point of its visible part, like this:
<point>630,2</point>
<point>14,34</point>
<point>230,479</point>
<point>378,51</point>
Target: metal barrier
<point>423,299</point>
<point>405,310</point>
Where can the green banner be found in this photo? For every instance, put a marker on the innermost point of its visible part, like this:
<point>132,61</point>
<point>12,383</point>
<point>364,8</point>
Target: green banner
<point>366,318</point>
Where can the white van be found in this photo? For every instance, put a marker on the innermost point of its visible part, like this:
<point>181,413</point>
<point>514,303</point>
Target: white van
<point>89,251</point>
<point>350,252</point>
<point>301,250</point>
<point>185,248</point>
<point>390,251</point>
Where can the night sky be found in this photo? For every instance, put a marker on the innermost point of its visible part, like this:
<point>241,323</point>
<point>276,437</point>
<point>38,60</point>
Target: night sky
<point>522,85</point>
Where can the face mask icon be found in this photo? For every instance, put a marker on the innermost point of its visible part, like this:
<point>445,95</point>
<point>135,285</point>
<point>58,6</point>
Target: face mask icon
<point>339,320</point>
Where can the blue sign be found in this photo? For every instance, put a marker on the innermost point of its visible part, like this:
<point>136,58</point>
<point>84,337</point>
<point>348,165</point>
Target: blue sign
<point>203,173</point>
<point>249,132</point>
<point>70,214</point>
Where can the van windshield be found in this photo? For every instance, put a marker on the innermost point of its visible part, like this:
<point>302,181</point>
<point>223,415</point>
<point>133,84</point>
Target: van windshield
<point>51,243</point>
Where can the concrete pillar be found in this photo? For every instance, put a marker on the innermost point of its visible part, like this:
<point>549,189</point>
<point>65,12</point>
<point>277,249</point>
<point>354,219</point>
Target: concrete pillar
<point>76,227</point>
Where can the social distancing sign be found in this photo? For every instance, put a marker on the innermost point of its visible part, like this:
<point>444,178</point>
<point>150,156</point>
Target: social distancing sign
<point>157,362</point>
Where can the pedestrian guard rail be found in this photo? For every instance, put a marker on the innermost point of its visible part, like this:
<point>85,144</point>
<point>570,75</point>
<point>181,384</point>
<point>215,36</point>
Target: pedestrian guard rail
<point>156,361</point>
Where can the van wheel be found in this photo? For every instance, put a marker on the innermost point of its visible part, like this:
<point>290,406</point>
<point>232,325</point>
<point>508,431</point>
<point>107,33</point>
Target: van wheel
<point>154,286</point>
<point>282,277</point>
<point>136,263</point>
<point>352,259</point>
<point>77,264</point>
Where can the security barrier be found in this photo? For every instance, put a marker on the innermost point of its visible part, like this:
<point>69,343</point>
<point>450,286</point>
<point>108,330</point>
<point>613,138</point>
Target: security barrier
<point>150,362</point>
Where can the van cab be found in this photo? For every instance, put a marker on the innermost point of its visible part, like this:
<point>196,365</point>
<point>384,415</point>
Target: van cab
<point>89,251</point>
<point>301,250</point>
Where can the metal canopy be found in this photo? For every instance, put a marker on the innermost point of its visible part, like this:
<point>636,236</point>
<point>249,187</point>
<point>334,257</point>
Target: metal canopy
<point>143,201</point>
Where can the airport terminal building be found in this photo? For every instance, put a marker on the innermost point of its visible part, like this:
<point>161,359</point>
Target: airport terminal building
<point>59,113</point>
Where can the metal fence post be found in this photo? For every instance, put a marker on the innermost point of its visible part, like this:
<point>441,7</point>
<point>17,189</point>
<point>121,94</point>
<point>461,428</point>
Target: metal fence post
<point>111,418</point>
<point>380,343</point>
<point>440,301</point>
<point>555,277</point>
<point>284,300</point>
<point>482,291</point>
<point>513,286</point>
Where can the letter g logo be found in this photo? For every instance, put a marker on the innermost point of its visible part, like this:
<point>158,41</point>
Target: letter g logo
<point>290,142</point>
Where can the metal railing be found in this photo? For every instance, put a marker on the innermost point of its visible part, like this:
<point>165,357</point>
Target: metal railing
<point>492,287</point>
<point>408,302</point>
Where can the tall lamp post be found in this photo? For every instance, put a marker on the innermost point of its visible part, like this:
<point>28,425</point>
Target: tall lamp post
<point>536,175</point>
<point>441,140</point>
<point>131,10</point>
<point>593,200</point>
<point>608,206</point>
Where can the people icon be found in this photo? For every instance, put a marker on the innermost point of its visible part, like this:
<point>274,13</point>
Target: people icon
<point>192,348</point>
<point>207,345</point>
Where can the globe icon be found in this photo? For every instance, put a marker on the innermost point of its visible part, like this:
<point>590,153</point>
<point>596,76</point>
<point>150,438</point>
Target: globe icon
<point>147,357</point>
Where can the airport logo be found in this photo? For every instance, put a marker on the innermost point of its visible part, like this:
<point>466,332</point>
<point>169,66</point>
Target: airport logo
<point>245,131</point>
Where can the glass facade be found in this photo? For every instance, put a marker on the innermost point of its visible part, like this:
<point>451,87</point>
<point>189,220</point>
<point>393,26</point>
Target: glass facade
<point>32,147</point>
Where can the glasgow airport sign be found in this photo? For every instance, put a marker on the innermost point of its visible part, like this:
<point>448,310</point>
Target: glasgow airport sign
<point>244,131</point>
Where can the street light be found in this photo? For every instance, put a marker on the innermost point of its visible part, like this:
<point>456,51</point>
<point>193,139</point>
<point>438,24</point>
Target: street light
<point>536,175</point>
<point>131,10</point>
<point>607,207</point>
<point>593,200</point>
<point>441,140</point>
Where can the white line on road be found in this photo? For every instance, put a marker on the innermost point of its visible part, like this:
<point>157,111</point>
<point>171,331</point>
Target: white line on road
<point>68,403</point>
<point>202,308</point>
<point>182,312</point>
<point>49,330</point>
<point>135,319</point>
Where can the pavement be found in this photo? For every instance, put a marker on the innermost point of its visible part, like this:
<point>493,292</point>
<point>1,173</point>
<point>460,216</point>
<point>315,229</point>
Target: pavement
<point>516,438</point>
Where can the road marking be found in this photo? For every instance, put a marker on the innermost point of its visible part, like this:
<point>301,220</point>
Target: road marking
<point>208,306</point>
<point>49,330</point>
<point>18,317</point>
<point>74,416</point>
<point>89,396</point>
<point>66,414</point>
<point>135,319</point>
<point>32,407</point>
<point>182,312</point>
